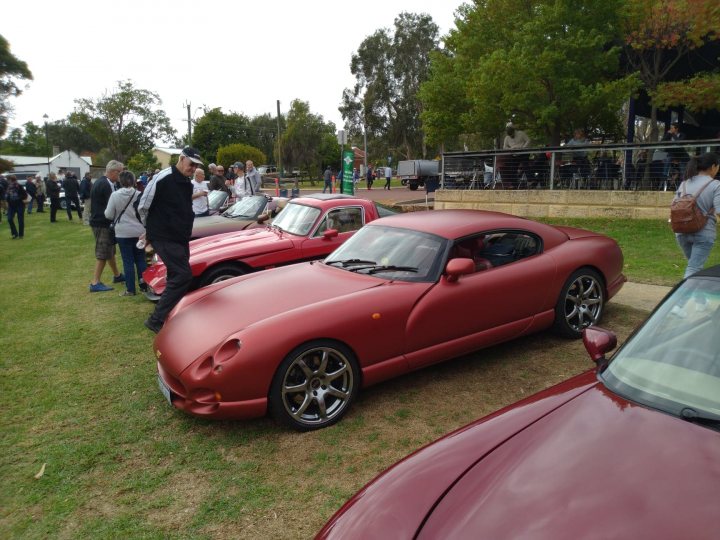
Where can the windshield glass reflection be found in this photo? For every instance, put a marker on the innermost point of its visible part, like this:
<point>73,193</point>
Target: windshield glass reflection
<point>673,361</point>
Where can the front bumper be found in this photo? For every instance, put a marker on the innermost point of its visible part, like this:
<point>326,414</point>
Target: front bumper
<point>208,407</point>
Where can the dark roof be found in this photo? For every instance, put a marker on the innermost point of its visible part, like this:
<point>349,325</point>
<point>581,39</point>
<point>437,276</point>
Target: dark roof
<point>713,271</point>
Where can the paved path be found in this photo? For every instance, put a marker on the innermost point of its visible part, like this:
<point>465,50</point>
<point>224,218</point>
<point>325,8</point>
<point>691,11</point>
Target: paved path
<point>641,295</point>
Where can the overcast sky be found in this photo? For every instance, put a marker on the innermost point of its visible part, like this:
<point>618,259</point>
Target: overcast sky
<point>239,56</point>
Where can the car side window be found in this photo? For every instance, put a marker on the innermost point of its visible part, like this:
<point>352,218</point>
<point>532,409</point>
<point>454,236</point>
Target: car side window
<point>496,248</point>
<point>342,219</point>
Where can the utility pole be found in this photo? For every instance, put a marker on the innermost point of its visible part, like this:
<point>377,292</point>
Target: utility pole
<point>189,121</point>
<point>279,151</point>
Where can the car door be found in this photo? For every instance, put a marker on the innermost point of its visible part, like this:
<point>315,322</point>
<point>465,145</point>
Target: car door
<point>479,309</point>
<point>345,219</point>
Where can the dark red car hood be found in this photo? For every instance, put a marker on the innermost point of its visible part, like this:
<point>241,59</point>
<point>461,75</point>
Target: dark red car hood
<point>574,461</point>
<point>597,467</point>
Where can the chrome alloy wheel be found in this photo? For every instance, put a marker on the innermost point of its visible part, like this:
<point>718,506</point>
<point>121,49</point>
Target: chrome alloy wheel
<point>583,302</point>
<point>317,386</point>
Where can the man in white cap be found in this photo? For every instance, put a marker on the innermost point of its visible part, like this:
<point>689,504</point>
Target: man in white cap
<point>166,210</point>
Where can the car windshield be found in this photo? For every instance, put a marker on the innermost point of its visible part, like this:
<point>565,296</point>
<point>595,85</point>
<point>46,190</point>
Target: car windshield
<point>216,199</point>
<point>391,253</point>
<point>297,219</point>
<point>247,207</point>
<point>672,362</point>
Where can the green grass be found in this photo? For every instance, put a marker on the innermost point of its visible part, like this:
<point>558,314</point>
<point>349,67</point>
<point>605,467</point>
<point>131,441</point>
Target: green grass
<point>651,252</point>
<point>79,394</point>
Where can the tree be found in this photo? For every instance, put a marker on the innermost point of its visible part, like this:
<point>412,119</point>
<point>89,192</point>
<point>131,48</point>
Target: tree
<point>389,69</point>
<point>304,142</point>
<point>11,68</point>
<point>227,155</point>
<point>144,161</point>
<point>547,65</point>
<point>216,129</point>
<point>659,34</point>
<point>127,121</point>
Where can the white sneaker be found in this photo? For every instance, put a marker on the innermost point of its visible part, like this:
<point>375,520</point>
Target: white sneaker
<point>679,312</point>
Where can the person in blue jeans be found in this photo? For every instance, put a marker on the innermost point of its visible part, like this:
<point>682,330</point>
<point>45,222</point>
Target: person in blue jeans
<point>701,172</point>
<point>128,229</point>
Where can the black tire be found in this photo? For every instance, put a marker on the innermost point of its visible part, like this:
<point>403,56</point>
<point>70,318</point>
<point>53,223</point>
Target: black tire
<point>221,272</point>
<point>63,203</point>
<point>581,303</point>
<point>314,386</point>
<point>413,187</point>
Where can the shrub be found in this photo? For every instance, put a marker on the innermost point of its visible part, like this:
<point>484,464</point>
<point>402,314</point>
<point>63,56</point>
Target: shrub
<point>227,155</point>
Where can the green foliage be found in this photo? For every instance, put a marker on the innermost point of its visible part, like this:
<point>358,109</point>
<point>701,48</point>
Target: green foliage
<point>308,142</point>
<point>11,68</point>
<point>389,67</point>
<point>658,36</point>
<point>697,94</point>
<point>548,65</point>
<point>32,140</point>
<point>227,155</point>
<point>127,121</point>
<point>144,161</point>
<point>216,129</point>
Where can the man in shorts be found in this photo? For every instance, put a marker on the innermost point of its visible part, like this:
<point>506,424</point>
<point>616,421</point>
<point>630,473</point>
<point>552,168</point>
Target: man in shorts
<point>104,239</point>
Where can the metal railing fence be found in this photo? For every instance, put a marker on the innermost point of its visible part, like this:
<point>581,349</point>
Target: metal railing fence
<point>637,166</point>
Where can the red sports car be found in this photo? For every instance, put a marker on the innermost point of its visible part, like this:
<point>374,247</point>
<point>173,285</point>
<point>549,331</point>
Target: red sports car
<point>629,450</point>
<point>308,228</point>
<point>404,292</point>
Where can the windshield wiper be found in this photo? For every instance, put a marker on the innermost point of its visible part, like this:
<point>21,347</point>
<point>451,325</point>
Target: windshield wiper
<point>349,262</point>
<point>704,419</point>
<point>392,268</point>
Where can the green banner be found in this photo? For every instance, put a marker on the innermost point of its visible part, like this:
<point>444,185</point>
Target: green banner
<point>348,187</point>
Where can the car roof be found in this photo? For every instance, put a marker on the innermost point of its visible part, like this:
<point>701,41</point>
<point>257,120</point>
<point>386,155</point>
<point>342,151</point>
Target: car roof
<point>713,271</point>
<point>454,224</point>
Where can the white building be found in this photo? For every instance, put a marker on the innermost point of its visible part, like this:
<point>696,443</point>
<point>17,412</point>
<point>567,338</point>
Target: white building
<point>65,160</point>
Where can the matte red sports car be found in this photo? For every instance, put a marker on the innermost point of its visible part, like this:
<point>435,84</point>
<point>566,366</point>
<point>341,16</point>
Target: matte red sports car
<point>308,228</point>
<point>404,292</point>
<point>630,450</point>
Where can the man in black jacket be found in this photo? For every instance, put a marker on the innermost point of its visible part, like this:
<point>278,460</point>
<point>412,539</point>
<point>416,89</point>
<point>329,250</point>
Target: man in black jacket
<point>72,188</point>
<point>104,240</point>
<point>166,211</point>
<point>85,188</point>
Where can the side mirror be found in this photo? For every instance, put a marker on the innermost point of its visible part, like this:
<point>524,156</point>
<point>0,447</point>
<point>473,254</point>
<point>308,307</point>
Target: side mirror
<point>330,233</point>
<point>458,267</point>
<point>599,341</point>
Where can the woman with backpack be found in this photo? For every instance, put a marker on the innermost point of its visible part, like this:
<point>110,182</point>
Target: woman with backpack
<point>128,229</point>
<point>700,183</point>
<point>15,196</point>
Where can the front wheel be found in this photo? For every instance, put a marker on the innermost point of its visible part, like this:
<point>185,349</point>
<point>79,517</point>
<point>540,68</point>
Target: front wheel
<point>580,304</point>
<point>221,272</point>
<point>314,386</point>
<point>63,203</point>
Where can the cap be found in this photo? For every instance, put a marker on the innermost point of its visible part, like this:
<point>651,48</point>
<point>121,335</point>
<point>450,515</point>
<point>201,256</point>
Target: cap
<point>239,165</point>
<point>192,155</point>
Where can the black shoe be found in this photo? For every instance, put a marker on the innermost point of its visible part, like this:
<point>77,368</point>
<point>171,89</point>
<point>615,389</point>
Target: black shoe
<point>143,286</point>
<point>151,325</point>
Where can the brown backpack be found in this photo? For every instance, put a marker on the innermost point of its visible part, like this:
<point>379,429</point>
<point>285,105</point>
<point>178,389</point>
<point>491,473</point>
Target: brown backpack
<point>685,216</point>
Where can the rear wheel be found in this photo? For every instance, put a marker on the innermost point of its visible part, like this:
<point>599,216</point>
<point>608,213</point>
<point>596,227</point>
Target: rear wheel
<point>580,304</point>
<point>314,386</point>
<point>221,272</point>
